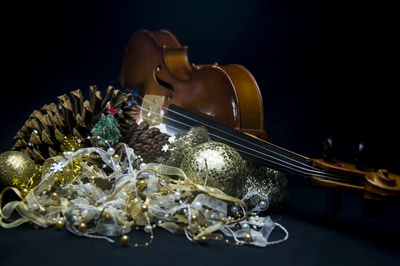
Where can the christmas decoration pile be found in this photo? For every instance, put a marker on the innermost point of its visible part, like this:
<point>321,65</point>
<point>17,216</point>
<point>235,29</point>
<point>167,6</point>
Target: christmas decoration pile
<point>91,167</point>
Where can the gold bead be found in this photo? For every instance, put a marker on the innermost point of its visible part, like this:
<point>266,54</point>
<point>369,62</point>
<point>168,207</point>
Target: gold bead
<point>82,227</point>
<point>224,220</point>
<point>193,218</point>
<point>203,240</point>
<point>136,245</point>
<point>248,238</point>
<point>227,241</point>
<point>60,224</point>
<point>151,237</point>
<point>24,192</point>
<point>54,195</point>
<point>125,239</point>
<point>116,157</point>
<point>146,244</point>
<point>106,216</point>
<point>144,208</point>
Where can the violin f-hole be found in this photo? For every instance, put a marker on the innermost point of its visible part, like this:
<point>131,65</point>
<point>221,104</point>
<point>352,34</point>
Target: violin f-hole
<point>158,80</point>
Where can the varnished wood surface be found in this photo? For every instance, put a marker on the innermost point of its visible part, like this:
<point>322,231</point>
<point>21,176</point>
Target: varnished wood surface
<point>156,63</point>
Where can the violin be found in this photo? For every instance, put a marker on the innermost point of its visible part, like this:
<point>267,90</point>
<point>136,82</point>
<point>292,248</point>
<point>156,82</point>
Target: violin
<point>157,64</point>
<point>227,101</point>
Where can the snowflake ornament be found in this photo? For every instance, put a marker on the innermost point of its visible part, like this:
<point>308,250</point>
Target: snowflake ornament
<point>57,167</point>
<point>165,148</point>
<point>172,139</point>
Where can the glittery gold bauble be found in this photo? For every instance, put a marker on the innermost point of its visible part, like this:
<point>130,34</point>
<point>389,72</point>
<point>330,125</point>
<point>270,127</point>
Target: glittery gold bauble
<point>183,145</point>
<point>225,166</point>
<point>16,165</point>
<point>267,182</point>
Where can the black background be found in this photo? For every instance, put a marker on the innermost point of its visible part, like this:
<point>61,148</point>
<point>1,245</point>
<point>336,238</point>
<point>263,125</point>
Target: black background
<point>324,69</point>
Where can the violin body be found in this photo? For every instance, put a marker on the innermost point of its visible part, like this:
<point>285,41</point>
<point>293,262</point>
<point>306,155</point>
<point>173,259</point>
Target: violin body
<point>228,97</point>
<point>155,63</point>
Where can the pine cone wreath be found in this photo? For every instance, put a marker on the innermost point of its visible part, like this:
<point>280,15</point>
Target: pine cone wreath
<point>76,117</point>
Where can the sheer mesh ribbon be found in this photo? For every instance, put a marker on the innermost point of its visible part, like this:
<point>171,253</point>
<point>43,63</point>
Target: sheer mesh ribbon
<point>113,203</point>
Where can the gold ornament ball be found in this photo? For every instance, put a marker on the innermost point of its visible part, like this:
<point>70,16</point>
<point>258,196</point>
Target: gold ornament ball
<point>225,166</point>
<point>16,164</point>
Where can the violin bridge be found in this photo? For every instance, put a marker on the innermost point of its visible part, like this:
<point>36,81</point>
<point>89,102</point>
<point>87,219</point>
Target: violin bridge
<point>152,109</point>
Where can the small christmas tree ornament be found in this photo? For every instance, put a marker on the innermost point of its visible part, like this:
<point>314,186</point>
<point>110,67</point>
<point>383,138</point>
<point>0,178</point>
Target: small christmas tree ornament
<point>106,131</point>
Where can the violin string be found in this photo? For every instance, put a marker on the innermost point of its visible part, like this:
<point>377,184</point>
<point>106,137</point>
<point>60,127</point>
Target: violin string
<point>296,168</point>
<point>249,142</point>
<point>305,168</point>
<point>285,165</point>
<point>281,162</point>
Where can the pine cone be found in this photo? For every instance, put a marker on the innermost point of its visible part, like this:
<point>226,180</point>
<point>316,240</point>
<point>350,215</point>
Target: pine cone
<point>37,137</point>
<point>146,141</point>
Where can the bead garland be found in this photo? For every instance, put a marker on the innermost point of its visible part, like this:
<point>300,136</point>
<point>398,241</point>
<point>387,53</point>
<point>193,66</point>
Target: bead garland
<point>133,199</point>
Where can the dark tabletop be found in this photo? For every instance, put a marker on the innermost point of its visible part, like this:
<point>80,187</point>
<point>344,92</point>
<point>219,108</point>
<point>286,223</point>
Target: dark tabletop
<point>317,237</point>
